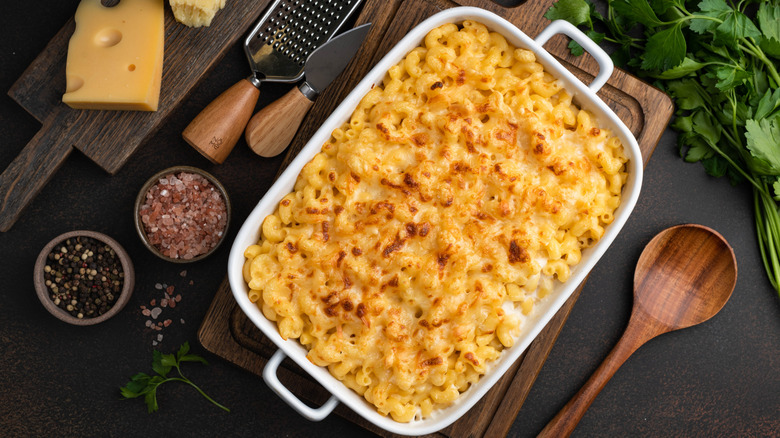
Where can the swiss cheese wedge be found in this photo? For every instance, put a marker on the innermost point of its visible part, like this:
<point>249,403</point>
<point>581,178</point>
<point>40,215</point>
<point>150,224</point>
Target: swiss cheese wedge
<point>115,56</point>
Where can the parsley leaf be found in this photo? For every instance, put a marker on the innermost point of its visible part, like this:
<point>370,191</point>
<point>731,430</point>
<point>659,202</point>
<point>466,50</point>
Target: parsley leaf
<point>622,56</point>
<point>138,384</point>
<point>158,366</point>
<point>763,138</point>
<point>685,68</point>
<point>595,14</point>
<point>576,49</point>
<point>705,126</point>
<point>730,76</point>
<point>736,26</point>
<point>575,12</point>
<point>665,49</point>
<point>715,6</point>
<point>661,6</point>
<point>143,385</point>
<point>715,166</point>
<point>683,124</point>
<point>768,17</point>
<point>698,151</point>
<point>769,102</point>
<point>637,10</point>
<point>688,94</point>
<point>715,10</point>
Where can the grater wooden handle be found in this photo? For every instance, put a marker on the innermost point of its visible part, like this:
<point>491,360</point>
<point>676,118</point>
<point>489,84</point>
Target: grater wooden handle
<point>218,127</point>
<point>272,129</point>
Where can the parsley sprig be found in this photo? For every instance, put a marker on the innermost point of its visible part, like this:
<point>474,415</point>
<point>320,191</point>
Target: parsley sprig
<point>145,385</point>
<point>719,62</point>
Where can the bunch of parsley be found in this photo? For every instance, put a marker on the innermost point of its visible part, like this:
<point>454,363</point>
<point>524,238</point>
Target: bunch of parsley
<point>719,62</point>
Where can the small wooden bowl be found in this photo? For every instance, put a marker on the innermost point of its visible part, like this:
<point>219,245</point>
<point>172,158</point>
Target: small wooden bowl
<point>141,198</point>
<point>43,291</point>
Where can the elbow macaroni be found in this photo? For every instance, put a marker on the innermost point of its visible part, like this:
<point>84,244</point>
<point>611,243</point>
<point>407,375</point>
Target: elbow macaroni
<point>432,221</point>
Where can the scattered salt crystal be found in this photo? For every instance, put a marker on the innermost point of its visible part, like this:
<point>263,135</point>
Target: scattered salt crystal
<point>159,337</point>
<point>148,322</point>
<point>158,286</point>
<point>154,343</point>
<point>156,312</point>
<point>164,302</point>
<point>146,312</point>
<point>177,297</point>
<point>182,320</point>
<point>184,272</point>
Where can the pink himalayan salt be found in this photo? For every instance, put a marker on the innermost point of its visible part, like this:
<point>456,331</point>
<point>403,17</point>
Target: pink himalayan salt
<point>184,215</point>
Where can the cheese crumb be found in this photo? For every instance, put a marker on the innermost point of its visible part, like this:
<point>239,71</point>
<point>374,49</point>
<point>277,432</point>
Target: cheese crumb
<point>196,13</point>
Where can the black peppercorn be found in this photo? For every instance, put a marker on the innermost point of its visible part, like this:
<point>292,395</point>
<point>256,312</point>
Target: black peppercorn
<point>78,281</point>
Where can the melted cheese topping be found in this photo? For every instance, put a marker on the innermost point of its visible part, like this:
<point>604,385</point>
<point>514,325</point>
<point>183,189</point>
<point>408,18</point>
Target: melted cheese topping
<point>434,219</point>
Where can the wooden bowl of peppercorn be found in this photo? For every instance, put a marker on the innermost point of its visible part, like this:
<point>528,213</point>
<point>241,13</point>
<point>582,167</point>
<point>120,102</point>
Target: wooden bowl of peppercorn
<point>84,277</point>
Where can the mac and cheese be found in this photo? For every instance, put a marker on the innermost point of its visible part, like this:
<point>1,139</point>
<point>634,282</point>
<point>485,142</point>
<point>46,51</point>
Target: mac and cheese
<point>431,222</point>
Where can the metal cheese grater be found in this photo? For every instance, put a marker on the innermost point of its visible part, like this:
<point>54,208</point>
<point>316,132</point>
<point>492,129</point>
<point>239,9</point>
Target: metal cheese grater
<point>289,31</point>
<point>277,49</point>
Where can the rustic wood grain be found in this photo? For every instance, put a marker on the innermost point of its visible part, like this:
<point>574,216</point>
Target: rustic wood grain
<point>646,111</point>
<point>109,138</point>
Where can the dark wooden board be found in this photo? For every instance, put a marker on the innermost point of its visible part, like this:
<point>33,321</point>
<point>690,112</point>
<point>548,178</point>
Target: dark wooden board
<point>108,138</point>
<point>227,332</point>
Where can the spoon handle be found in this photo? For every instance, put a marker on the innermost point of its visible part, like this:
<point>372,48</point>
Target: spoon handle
<point>637,333</point>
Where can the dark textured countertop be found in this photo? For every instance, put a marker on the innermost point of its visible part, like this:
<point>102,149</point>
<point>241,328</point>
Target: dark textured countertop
<point>721,378</point>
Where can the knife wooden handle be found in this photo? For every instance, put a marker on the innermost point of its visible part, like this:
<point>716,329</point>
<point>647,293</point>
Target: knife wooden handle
<point>218,127</point>
<point>272,129</point>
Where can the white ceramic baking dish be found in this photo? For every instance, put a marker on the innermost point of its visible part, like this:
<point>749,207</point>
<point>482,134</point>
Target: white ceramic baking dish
<point>585,96</point>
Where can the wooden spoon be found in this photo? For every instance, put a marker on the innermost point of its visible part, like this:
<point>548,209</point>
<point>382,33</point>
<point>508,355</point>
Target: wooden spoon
<point>684,277</point>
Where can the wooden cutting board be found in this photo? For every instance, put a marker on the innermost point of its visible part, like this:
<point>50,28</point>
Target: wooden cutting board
<point>227,332</point>
<point>109,138</point>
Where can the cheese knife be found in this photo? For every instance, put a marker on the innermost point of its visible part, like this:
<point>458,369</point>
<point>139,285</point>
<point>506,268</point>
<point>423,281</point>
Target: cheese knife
<point>272,129</point>
<point>276,48</point>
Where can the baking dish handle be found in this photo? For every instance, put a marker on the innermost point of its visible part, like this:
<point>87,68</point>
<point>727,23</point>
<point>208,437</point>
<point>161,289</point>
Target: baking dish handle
<point>602,58</point>
<point>272,380</point>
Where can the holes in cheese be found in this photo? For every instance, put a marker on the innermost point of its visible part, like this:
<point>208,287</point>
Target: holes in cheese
<point>108,37</point>
<point>74,83</point>
<point>115,56</point>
